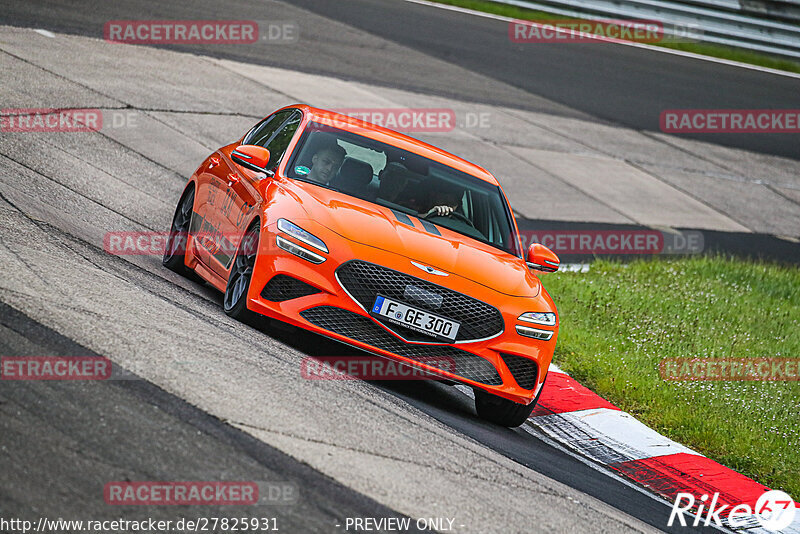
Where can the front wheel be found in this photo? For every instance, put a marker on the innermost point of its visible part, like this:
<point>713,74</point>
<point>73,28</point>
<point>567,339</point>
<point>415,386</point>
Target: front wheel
<point>235,301</point>
<point>503,411</point>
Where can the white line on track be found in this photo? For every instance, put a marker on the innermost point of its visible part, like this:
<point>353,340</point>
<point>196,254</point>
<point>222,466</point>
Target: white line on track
<point>623,43</point>
<point>610,434</point>
<point>46,33</point>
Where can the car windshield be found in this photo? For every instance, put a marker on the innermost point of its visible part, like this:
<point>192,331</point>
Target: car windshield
<point>405,182</point>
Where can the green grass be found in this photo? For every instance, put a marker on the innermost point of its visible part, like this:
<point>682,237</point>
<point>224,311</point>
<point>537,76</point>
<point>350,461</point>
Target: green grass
<point>706,49</point>
<point>619,320</point>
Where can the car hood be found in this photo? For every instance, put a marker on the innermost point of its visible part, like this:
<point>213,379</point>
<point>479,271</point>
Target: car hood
<point>451,252</point>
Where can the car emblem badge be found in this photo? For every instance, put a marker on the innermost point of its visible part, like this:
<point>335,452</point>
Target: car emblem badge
<point>428,269</point>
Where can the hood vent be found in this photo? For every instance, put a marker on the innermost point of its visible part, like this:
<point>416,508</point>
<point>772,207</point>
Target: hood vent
<point>403,218</point>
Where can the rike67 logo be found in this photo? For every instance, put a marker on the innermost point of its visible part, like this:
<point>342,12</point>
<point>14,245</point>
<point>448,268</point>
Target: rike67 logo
<point>774,511</point>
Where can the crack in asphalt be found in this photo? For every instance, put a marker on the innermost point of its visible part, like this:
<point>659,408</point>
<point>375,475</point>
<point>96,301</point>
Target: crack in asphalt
<point>221,65</point>
<point>566,183</point>
<point>79,84</point>
<point>733,176</point>
<point>36,222</point>
<point>92,165</point>
<point>132,150</point>
<point>45,300</point>
<point>715,209</point>
<point>230,327</point>
<point>21,260</point>
<point>50,178</point>
<point>389,457</point>
<point>66,237</point>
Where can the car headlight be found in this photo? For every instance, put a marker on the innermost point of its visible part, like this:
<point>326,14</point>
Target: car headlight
<point>547,319</point>
<point>289,228</point>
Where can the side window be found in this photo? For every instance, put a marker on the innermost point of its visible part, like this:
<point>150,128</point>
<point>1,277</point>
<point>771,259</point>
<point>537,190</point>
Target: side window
<point>280,141</point>
<point>262,132</point>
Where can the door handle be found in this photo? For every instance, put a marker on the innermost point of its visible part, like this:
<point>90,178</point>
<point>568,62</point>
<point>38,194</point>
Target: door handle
<point>232,178</point>
<point>213,161</point>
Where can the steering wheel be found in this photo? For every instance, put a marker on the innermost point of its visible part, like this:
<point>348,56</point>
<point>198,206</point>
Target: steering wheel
<point>456,215</point>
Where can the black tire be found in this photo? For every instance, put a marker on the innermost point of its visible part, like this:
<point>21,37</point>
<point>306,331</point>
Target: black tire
<point>234,302</point>
<point>502,411</point>
<point>175,250</point>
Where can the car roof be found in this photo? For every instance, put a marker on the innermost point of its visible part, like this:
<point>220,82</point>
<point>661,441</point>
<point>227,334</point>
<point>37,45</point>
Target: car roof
<point>390,137</point>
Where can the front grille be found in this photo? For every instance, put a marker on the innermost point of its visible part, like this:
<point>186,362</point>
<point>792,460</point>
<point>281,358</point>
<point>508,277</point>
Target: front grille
<point>363,329</point>
<point>282,287</point>
<point>365,281</point>
<point>522,369</point>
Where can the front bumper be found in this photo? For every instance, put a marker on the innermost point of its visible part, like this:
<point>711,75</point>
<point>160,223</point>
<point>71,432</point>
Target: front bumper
<point>504,364</point>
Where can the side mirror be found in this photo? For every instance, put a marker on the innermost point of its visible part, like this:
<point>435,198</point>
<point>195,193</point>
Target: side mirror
<point>542,258</point>
<point>255,158</point>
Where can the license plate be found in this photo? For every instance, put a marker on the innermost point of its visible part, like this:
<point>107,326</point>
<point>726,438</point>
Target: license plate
<point>418,320</point>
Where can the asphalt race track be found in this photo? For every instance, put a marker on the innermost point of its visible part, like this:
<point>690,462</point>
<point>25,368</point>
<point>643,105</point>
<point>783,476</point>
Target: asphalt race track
<point>207,398</point>
<point>72,455</point>
<point>403,45</point>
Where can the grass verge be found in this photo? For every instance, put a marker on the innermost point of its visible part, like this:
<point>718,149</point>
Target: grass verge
<point>618,321</point>
<point>706,49</point>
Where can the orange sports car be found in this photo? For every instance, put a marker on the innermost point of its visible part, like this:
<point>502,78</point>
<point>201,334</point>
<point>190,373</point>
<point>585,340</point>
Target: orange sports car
<point>378,240</point>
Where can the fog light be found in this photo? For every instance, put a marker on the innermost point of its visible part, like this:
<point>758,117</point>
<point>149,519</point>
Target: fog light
<point>297,250</point>
<point>535,333</point>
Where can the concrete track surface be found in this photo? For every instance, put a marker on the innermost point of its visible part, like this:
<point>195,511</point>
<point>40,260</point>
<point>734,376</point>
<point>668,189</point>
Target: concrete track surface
<point>213,399</point>
<point>405,45</point>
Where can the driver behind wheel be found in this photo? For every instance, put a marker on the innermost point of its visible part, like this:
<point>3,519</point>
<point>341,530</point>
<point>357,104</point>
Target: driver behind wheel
<point>326,162</point>
<point>444,200</point>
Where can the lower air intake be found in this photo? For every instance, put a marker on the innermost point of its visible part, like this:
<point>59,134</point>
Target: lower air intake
<point>523,370</point>
<point>363,329</point>
<point>283,287</point>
